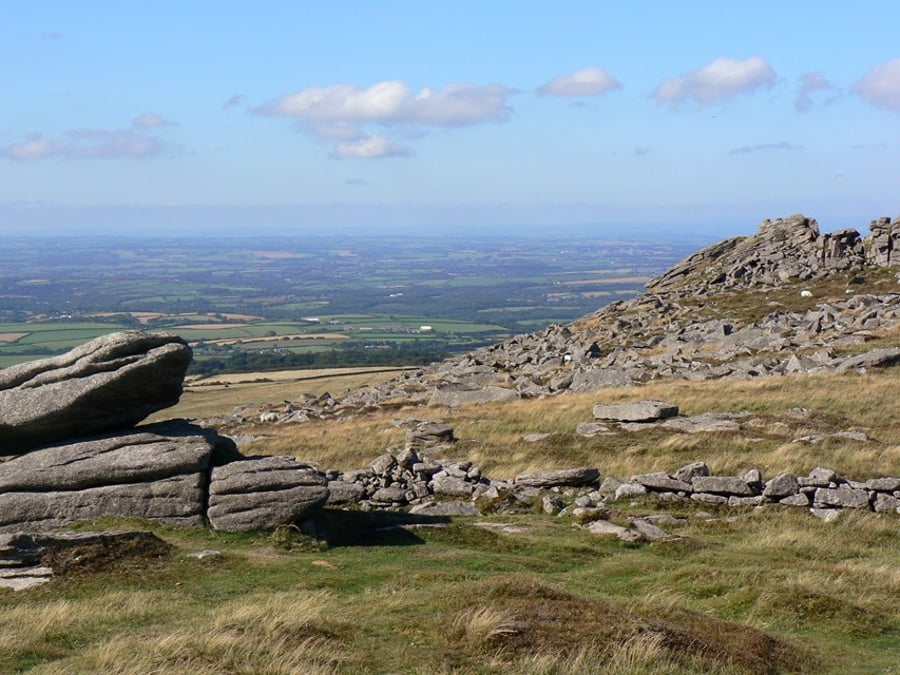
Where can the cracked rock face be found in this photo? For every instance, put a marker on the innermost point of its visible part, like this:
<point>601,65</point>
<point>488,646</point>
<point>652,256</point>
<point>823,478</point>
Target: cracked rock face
<point>158,472</point>
<point>107,384</point>
<point>263,493</point>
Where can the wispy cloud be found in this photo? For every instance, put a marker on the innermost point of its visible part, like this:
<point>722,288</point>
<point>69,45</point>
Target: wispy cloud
<point>341,113</point>
<point>86,144</point>
<point>151,121</point>
<point>881,86</point>
<point>764,147</point>
<point>234,101</point>
<point>370,147</point>
<point>589,81</point>
<point>357,182</point>
<point>717,81</point>
<point>809,84</point>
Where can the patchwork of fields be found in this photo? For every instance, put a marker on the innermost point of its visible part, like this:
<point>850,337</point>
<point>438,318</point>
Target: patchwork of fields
<point>301,301</point>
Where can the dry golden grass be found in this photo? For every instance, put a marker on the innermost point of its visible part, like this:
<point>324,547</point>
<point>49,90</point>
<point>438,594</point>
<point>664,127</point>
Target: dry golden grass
<point>211,400</point>
<point>491,435</point>
<point>9,338</point>
<point>258,633</point>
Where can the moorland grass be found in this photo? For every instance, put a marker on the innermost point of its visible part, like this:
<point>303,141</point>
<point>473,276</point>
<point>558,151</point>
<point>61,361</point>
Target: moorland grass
<point>744,591</point>
<point>783,410</point>
<point>738,591</point>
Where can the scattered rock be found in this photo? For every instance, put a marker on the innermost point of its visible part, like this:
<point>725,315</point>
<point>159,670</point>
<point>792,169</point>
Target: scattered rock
<point>843,497</point>
<point>604,528</point>
<point>690,471</point>
<point>722,485</point>
<point>783,485</point>
<point>661,481</point>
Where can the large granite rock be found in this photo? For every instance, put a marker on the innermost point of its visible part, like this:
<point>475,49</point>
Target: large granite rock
<point>158,472</point>
<point>107,384</point>
<point>642,411</point>
<point>263,493</point>
<point>561,477</point>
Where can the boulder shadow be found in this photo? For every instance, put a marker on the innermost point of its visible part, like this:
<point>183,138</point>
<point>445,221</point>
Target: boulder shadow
<point>372,528</point>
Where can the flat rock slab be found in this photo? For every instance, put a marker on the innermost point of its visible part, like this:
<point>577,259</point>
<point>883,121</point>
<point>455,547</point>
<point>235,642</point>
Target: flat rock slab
<point>721,485</point>
<point>453,397</point>
<point>451,508</point>
<point>158,472</point>
<point>23,578</point>
<point>642,411</point>
<point>584,475</point>
<point>661,481</point>
<point>110,383</point>
<point>263,493</point>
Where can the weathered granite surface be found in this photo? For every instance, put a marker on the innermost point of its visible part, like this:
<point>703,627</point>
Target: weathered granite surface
<point>158,472</point>
<point>110,383</point>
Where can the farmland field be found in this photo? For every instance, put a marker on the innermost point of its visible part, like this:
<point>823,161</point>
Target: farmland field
<point>311,301</point>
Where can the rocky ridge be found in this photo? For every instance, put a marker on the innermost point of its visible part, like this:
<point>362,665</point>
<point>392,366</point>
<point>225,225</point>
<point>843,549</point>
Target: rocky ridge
<point>738,309</point>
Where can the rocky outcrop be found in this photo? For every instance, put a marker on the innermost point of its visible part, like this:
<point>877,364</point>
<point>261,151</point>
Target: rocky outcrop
<point>174,473</point>
<point>784,249</point>
<point>263,493</point>
<point>159,472</point>
<point>110,383</point>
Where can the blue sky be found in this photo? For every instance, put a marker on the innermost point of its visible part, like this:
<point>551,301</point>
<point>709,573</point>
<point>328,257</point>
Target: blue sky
<point>491,114</point>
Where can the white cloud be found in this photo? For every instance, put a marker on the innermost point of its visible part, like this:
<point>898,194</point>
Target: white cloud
<point>114,144</point>
<point>809,84</point>
<point>151,121</point>
<point>86,144</point>
<point>371,147</point>
<point>34,147</point>
<point>584,82</point>
<point>881,85</point>
<point>392,102</point>
<point>344,114</point>
<point>716,81</point>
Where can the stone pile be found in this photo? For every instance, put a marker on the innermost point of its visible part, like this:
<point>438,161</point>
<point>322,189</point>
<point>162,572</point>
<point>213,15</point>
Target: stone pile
<point>69,422</point>
<point>821,490</point>
<point>415,477</point>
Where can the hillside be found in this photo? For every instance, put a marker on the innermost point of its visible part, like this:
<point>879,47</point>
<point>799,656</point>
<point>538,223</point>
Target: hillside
<point>786,300</point>
<point>489,532</point>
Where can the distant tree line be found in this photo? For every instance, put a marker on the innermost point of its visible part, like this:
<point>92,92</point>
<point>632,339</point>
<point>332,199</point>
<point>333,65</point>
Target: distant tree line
<point>249,361</point>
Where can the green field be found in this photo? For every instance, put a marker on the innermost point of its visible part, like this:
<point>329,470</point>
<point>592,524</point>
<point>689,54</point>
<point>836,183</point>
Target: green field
<point>210,336</point>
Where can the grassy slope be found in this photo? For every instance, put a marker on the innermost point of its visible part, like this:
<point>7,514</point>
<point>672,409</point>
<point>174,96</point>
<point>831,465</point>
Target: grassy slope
<point>743,591</point>
<point>491,434</point>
